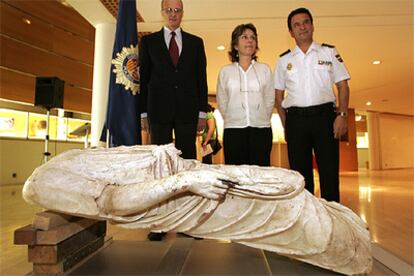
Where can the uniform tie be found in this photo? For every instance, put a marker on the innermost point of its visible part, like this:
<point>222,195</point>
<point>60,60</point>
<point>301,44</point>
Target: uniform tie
<point>173,49</point>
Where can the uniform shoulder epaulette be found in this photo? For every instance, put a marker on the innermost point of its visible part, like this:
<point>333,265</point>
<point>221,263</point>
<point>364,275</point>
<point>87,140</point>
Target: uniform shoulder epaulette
<point>285,53</point>
<point>328,45</point>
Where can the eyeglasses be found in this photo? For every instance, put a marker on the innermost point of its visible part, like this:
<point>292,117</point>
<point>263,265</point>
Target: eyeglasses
<point>171,10</point>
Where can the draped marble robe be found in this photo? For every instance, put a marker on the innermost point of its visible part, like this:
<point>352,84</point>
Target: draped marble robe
<point>153,187</point>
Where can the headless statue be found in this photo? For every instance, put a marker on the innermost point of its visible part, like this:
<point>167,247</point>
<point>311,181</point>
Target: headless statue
<point>152,187</point>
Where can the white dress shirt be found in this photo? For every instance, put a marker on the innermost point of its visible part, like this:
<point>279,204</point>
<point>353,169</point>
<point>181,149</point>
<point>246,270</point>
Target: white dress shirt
<point>178,38</point>
<point>308,78</point>
<point>245,98</point>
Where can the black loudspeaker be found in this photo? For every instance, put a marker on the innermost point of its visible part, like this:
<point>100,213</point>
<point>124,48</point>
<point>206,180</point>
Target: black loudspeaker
<point>49,92</point>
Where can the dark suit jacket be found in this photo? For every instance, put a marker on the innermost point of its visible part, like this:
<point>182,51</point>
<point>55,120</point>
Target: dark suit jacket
<point>169,93</point>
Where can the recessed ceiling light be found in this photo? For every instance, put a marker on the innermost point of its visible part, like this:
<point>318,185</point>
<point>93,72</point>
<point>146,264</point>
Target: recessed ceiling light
<point>27,21</point>
<point>376,62</point>
<point>64,3</point>
<point>221,47</point>
<point>368,103</point>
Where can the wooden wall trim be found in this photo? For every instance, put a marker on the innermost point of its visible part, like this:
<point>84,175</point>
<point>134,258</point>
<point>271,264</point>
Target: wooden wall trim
<point>12,24</point>
<point>53,12</point>
<point>57,42</point>
<point>20,87</point>
<point>22,57</point>
<point>72,47</point>
<point>76,99</point>
<point>16,87</point>
<point>44,35</point>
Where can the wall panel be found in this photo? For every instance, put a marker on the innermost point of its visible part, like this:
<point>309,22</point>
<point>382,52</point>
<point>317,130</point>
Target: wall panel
<point>58,42</point>
<point>64,43</point>
<point>38,33</point>
<point>16,86</point>
<point>22,57</point>
<point>61,16</point>
<point>348,155</point>
<point>44,35</point>
<point>19,87</point>
<point>396,136</point>
<point>16,160</point>
<point>76,99</point>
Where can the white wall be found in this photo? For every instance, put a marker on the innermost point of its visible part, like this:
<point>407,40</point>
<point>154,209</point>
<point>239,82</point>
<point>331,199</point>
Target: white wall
<point>23,156</point>
<point>363,158</point>
<point>396,133</point>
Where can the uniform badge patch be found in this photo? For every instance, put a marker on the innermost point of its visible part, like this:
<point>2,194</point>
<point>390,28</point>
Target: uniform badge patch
<point>289,66</point>
<point>126,68</point>
<point>338,57</point>
<point>324,62</point>
<point>328,45</point>
<point>285,53</point>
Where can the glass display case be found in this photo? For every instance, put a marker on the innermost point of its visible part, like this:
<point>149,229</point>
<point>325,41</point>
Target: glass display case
<point>73,126</point>
<point>29,125</point>
<point>13,123</point>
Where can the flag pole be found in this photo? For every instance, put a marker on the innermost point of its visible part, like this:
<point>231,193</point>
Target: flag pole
<point>107,138</point>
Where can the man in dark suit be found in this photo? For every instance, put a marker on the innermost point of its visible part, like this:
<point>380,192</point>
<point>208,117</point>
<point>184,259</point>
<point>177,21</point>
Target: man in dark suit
<point>173,82</point>
<point>173,85</point>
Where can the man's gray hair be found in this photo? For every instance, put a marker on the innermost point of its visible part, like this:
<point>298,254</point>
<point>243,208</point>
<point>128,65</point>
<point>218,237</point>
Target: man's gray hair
<point>162,3</point>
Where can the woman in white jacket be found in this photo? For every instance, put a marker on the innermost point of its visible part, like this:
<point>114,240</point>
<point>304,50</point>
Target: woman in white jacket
<point>245,98</point>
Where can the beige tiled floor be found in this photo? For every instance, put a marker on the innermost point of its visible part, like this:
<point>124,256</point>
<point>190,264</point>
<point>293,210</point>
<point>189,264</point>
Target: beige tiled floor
<point>384,199</point>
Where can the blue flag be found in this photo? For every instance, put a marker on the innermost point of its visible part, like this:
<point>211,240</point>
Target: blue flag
<point>123,115</point>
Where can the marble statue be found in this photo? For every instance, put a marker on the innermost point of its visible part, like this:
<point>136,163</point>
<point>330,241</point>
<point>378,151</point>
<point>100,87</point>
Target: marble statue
<point>153,187</point>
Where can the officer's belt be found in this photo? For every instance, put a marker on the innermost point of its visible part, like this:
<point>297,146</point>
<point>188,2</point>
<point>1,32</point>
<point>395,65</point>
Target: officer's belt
<point>311,110</point>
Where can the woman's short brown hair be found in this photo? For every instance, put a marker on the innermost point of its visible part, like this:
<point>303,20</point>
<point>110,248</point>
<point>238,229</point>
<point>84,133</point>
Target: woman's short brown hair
<point>237,32</point>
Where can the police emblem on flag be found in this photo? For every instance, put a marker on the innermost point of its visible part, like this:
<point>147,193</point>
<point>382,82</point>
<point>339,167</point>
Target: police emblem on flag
<point>126,68</point>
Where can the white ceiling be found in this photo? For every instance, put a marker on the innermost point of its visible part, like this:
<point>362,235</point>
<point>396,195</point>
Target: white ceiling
<point>362,31</point>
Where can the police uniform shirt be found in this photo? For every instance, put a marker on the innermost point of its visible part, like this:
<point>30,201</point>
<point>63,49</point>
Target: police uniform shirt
<point>308,78</point>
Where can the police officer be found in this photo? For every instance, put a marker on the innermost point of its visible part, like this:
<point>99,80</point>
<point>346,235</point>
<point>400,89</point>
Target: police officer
<point>308,110</point>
